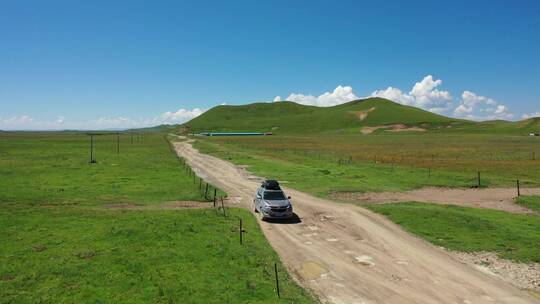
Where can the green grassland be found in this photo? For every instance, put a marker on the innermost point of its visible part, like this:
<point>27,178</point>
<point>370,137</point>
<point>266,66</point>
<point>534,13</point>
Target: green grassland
<point>54,168</point>
<point>511,236</point>
<point>69,255</point>
<point>292,118</point>
<point>63,243</point>
<point>289,117</point>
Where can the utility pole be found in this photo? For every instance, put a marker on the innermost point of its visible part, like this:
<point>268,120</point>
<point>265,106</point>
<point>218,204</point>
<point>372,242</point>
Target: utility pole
<point>92,149</point>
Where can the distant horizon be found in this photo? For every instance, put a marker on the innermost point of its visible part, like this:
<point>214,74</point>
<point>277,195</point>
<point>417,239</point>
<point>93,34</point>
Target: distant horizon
<point>180,123</point>
<point>101,65</point>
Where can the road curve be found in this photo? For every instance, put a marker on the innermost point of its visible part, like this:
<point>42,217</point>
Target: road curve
<point>347,254</point>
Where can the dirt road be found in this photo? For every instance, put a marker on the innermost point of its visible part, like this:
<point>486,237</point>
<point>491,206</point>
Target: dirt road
<point>346,254</point>
<point>490,198</point>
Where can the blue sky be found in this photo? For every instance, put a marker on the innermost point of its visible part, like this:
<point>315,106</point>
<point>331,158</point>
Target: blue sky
<point>112,64</point>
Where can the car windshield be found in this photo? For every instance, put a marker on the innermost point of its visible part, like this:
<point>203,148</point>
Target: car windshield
<point>274,195</point>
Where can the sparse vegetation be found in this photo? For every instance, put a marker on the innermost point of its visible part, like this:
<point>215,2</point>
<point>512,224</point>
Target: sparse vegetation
<point>324,164</point>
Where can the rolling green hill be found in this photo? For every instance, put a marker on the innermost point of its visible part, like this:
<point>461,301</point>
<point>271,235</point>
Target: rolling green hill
<point>523,127</point>
<point>290,117</point>
<point>365,115</point>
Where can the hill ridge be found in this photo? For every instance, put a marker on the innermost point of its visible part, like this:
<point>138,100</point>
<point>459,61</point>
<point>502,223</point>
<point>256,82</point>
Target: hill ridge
<point>288,117</point>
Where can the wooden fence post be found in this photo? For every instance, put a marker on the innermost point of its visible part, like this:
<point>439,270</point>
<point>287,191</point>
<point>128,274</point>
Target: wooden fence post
<point>241,232</point>
<point>223,207</point>
<point>277,280</point>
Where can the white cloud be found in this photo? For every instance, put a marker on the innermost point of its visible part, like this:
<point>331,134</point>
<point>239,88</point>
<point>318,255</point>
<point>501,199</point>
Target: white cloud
<point>427,95</point>
<point>181,115</point>
<point>341,94</point>
<point>476,107</point>
<point>25,122</point>
<point>530,115</point>
<point>17,120</point>
<point>394,94</point>
<point>424,94</point>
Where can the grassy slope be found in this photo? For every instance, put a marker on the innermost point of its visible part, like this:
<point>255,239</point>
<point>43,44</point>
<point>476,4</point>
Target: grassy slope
<point>524,127</point>
<point>60,246</point>
<point>512,236</point>
<point>292,118</point>
<point>289,117</point>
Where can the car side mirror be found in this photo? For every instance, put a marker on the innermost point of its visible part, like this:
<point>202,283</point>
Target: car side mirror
<point>258,196</point>
<point>288,197</point>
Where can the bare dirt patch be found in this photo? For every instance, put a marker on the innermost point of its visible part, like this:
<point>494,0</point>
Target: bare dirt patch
<point>522,275</point>
<point>311,271</point>
<point>491,198</point>
<point>39,247</point>
<point>363,114</point>
<point>7,277</point>
<point>392,128</point>
<point>406,129</point>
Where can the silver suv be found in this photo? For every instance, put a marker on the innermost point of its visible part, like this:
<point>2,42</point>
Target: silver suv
<point>271,203</point>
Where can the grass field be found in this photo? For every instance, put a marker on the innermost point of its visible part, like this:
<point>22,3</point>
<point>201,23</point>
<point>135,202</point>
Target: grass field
<point>384,162</point>
<point>63,243</point>
<point>511,236</point>
<point>53,168</point>
<point>59,255</point>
